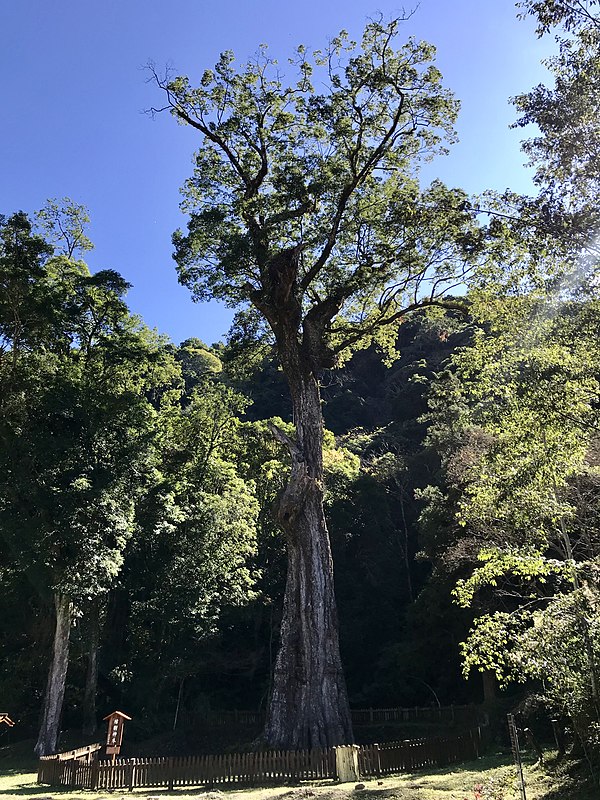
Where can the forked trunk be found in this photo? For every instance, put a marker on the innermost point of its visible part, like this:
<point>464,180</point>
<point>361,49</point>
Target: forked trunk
<point>55,688</point>
<point>309,704</point>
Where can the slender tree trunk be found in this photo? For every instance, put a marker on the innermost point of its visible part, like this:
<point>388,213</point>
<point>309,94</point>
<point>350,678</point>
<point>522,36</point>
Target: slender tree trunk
<point>90,722</point>
<point>309,704</point>
<point>490,684</point>
<point>176,717</point>
<point>55,688</point>
<point>405,553</point>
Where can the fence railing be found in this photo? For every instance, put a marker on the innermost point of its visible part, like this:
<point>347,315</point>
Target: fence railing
<point>412,754</point>
<point>273,766</point>
<point>467,714</point>
<point>87,753</point>
<point>462,714</point>
<point>231,768</point>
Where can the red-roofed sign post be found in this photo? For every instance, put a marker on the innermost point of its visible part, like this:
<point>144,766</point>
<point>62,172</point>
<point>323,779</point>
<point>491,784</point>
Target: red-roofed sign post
<point>114,734</point>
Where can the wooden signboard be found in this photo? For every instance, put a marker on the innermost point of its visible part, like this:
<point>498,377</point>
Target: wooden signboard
<point>114,734</point>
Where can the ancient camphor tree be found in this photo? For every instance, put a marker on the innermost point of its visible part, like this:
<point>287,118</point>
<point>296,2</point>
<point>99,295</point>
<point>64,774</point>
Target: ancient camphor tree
<point>305,206</point>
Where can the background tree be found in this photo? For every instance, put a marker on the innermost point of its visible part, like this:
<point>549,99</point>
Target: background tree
<point>63,223</point>
<point>192,558</point>
<point>74,433</point>
<point>521,482</point>
<point>305,205</point>
<point>565,152</point>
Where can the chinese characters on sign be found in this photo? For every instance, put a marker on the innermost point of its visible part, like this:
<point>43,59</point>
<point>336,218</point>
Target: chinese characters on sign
<point>114,734</point>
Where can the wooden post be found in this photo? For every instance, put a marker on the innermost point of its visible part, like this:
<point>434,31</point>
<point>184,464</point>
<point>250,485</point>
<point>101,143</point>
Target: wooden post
<point>94,774</point>
<point>171,767</point>
<point>346,763</point>
<point>377,759</point>
<point>131,774</point>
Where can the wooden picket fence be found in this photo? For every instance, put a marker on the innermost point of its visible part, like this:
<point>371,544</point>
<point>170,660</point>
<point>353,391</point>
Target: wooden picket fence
<point>259,768</point>
<point>375,760</point>
<point>466,715</point>
<point>461,714</point>
<point>220,718</point>
<point>277,766</point>
<point>87,753</point>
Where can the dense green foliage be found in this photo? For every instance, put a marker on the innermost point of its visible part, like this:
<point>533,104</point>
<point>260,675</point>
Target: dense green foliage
<point>164,539</point>
<point>517,511</point>
<point>110,473</point>
<point>150,506</point>
<point>460,453</point>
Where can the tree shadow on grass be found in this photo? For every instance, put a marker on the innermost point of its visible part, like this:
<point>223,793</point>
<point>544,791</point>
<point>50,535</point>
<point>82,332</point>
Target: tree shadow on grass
<point>31,789</point>
<point>456,777</point>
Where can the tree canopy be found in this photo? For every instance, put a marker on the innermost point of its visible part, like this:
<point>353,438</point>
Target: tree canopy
<point>328,174</point>
<point>305,206</point>
<point>410,389</point>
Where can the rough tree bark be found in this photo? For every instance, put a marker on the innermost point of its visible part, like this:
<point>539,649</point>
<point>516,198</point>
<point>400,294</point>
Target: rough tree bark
<point>57,674</point>
<point>309,704</point>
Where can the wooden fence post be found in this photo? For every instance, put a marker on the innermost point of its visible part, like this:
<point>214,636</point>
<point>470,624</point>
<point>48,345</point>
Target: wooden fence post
<point>131,774</point>
<point>171,767</point>
<point>346,763</point>
<point>94,774</point>
<point>378,759</point>
<point>478,742</point>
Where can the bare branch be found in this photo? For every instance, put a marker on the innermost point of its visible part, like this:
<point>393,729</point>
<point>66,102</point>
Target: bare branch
<point>380,321</point>
<point>285,440</point>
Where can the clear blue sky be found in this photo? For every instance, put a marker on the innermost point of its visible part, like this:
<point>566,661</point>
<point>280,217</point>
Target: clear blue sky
<point>73,94</point>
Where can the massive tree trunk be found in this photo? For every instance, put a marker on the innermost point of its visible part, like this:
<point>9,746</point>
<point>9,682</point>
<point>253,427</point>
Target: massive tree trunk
<point>308,705</point>
<point>57,674</point>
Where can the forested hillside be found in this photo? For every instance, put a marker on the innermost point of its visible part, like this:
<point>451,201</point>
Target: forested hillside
<point>405,410</point>
<point>165,555</point>
<point>139,479</point>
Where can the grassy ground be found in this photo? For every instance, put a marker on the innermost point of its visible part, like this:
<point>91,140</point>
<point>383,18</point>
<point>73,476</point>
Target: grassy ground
<point>489,778</point>
<point>494,774</point>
